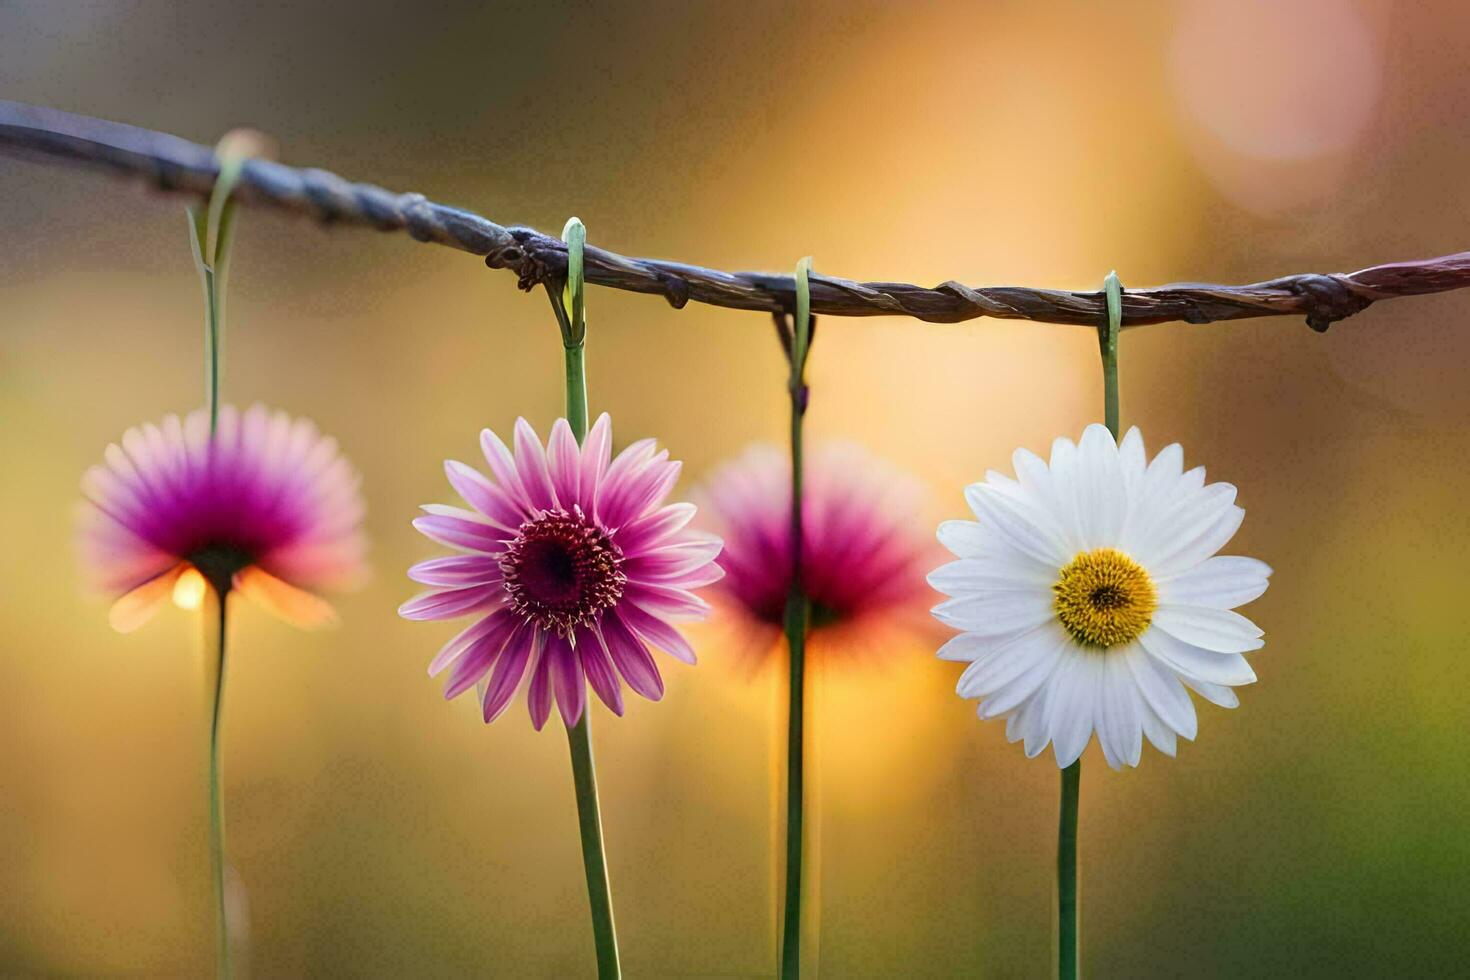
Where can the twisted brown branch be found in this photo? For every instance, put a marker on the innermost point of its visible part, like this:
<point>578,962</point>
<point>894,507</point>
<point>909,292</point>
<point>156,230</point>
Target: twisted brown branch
<point>173,164</point>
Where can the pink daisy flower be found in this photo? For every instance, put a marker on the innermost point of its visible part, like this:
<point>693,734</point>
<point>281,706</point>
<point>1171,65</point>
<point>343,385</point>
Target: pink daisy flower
<point>268,508</point>
<point>575,565</point>
<point>864,556</point>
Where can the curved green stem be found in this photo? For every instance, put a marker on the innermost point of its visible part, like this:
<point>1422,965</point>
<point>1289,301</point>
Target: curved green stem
<point>214,642</point>
<point>210,230</point>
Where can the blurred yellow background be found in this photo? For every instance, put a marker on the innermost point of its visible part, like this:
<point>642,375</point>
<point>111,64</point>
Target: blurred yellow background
<point>1318,830</point>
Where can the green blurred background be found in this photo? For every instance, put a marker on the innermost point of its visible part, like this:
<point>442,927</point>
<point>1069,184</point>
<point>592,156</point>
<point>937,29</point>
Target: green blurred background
<point>1319,830</point>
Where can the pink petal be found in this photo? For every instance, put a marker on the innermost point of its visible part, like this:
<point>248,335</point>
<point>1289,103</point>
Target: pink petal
<point>596,452</point>
<point>458,570</point>
<point>628,464</point>
<point>566,678</point>
<point>705,575</point>
<point>657,632</point>
<point>450,603</point>
<point>632,658</point>
<point>564,460</point>
<point>598,667</point>
<point>484,496</point>
<point>672,561</point>
<point>667,602</point>
<point>509,670</point>
<point>538,697</point>
<point>531,465</point>
<point>458,528</point>
<point>478,657</point>
<point>462,641</point>
<point>503,466</point>
<point>630,494</point>
<point>652,528</point>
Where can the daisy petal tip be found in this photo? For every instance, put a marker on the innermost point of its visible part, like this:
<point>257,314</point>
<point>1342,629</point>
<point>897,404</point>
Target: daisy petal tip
<point>1096,430</point>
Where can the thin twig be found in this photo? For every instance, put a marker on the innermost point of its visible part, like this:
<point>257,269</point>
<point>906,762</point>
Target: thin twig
<point>173,164</point>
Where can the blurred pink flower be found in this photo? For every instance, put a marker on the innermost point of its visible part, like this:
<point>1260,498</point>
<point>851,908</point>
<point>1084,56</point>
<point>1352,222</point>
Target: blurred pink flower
<point>577,565</point>
<point>864,556</point>
<point>267,507</point>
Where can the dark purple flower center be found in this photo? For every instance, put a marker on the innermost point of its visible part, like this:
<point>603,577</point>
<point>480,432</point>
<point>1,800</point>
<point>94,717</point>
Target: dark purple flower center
<point>218,563</point>
<point>562,571</point>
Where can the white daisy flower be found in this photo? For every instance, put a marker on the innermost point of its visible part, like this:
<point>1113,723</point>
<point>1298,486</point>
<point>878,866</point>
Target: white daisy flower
<point>1090,596</point>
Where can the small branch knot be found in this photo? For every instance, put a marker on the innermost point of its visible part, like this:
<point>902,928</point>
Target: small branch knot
<point>531,259</point>
<point>1331,299</point>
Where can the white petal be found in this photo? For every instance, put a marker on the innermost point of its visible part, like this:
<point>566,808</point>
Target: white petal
<point>1023,526</point>
<point>1230,669</point>
<point>996,613</point>
<point>1119,725</point>
<point>1036,479</point>
<point>1214,629</point>
<point>1152,493</point>
<point>1063,477</point>
<point>1191,481</point>
<point>1164,469</point>
<point>1071,703</point>
<point>1222,582</point>
<point>1213,693</point>
<point>1205,539</point>
<point>1101,503</point>
<point>1013,672</point>
<point>1027,724</point>
<point>966,646</point>
<point>1133,461</point>
<point>980,574</point>
<point>964,538</point>
<point>1162,691</point>
<point>1173,521</point>
<point>1154,729</point>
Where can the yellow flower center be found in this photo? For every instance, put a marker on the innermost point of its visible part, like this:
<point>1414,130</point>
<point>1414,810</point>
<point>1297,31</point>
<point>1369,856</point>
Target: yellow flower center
<point>1104,598</point>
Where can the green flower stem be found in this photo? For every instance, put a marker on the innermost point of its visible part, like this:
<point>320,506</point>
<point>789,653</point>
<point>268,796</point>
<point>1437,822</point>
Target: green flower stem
<point>579,740</point>
<point>579,736</point>
<point>576,360</point>
<point>594,858</point>
<point>214,643</point>
<point>1067,873</point>
<point>795,621</point>
<point>209,238</point>
<point>1068,910</point>
<point>796,626</point>
<point>1107,340</point>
